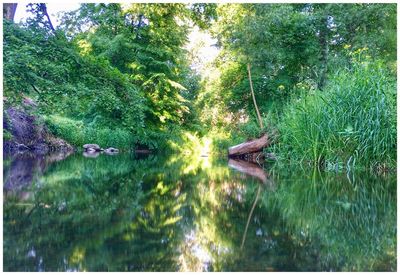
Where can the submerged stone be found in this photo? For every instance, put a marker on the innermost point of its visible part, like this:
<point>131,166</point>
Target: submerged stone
<point>94,147</point>
<point>111,151</point>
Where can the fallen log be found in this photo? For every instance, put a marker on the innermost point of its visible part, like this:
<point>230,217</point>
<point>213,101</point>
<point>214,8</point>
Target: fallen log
<point>252,146</point>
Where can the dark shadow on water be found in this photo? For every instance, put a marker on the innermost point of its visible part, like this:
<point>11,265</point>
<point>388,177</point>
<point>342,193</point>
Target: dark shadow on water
<point>20,170</point>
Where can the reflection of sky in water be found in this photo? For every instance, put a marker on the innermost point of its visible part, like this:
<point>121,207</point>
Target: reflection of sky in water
<point>31,253</point>
<point>202,255</point>
<point>196,256</point>
<point>201,258</point>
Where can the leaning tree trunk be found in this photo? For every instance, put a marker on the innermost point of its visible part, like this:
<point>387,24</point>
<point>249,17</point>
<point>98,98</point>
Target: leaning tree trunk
<point>254,98</point>
<point>43,8</point>
<point>324,46</point>
<point>251,150</point>
<point>9,10</point>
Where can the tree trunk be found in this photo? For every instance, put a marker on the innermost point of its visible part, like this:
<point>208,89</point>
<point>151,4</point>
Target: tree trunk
<point>9,10</point>
<point>255,145</point>
<point>249,217</point>
<point>254,98</point>
<point>43,8</point>
<point>324,46</point>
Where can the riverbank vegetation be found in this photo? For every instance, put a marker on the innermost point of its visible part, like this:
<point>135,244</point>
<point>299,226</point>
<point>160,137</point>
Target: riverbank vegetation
<point>324,78</point>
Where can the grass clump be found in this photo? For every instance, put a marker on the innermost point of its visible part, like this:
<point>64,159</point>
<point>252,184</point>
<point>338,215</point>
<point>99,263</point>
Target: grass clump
<point>353,121</point>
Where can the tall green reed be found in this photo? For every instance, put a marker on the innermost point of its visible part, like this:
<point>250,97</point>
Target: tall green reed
<point>351,122</point>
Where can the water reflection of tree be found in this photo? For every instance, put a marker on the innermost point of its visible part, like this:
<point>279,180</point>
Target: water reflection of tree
<point>352,217</point>
<point>176,214</point>
<point>215,243</point>
<point>312,222</point>
<point>80,205</point>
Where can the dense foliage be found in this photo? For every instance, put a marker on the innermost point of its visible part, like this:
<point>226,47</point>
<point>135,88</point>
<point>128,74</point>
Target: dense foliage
<point>121,74</point>
<point>108,67</point>
<point>311,81</point>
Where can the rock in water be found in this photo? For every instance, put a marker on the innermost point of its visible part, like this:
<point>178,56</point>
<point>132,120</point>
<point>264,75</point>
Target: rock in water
<point>94,147</point>
<point>91,150</point>
<point>111,151</point>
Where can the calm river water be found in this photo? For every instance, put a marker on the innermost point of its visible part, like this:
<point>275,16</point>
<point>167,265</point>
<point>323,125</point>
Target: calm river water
<point>187,213</point>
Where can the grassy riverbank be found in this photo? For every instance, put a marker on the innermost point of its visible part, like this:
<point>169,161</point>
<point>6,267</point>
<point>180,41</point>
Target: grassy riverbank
<point>349,124</point>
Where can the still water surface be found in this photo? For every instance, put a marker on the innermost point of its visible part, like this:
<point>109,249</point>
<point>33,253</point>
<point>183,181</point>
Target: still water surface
<point>184,213</point>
